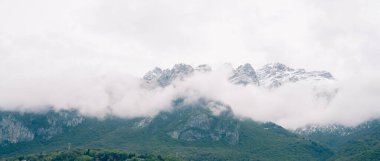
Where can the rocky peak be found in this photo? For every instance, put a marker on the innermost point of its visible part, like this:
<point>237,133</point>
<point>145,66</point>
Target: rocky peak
<point>276,74</point>
<point>181,71</point>
<point>156,72</point>
<point>273,69</point>
<point>245,68</point>
<point>244,74</point>
<point>279,67</point>
<point>163,78</point>
<point>182,68</point>
<point>153,75</point>
<point>270,76</point>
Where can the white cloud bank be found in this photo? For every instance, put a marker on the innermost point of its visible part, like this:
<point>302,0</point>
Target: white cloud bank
<point>291,105</point>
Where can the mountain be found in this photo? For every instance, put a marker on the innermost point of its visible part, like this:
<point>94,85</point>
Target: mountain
<point>203,130</point>
<point>245,74</point>
<point>163,78</point>
<point>277,74</point>
<point>199,130</point>
<point>361,142</point>
<point>272,75</point>
<point>24,127</point>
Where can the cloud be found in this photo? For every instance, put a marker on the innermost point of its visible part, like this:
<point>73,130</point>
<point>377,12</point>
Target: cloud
<point>292,105</point>
<point>347,102</point>
<point>94,95</point>
<point>135,34</point>
<point>89,54</point>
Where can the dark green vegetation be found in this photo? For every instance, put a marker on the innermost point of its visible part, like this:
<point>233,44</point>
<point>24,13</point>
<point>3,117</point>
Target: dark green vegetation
<point>359,143</point>
<point>91,155</point>
<point>188,131</point>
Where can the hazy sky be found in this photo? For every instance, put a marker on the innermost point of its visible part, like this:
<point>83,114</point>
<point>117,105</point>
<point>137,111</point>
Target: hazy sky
<point>74,46</point>
<point>137,35</point>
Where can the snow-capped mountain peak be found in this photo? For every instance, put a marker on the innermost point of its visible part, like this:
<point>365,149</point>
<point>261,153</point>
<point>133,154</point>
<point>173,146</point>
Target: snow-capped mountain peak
<point>153,75</point>
<point>276,74</point>
<point>244,74</point>
<point>182,69</point>
<point>270,76</point>
<point>163,78</point>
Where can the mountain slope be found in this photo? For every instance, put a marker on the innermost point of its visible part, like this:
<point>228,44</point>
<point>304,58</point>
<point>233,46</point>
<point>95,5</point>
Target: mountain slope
<point>349,143</point>
<point>192,131</point>
<point>90,155</point>
<point>200,130</point>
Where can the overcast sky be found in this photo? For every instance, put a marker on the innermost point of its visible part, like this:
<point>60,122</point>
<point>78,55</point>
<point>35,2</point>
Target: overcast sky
<point>136,35</point>
<point>46,43</point>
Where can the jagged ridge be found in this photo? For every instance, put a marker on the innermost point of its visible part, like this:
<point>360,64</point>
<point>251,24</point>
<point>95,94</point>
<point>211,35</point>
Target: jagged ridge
<point>270,76</point>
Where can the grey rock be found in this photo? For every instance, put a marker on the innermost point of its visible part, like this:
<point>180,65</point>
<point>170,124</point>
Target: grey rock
<point>16,127</point>
<point>272,75</point>
<point>13,131</point>
<point>143,122</point>
<point>163,78</point>
<point>276,74</point>
<point>199,123</point>
<point>244,74</point>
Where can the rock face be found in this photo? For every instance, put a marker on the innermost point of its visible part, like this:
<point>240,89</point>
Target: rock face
<point>202,126</point>
<point>12,131</point>
<point>195,122</point>
<point>16,127</point>
<point>57,122</point>
<point>245,74</point>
